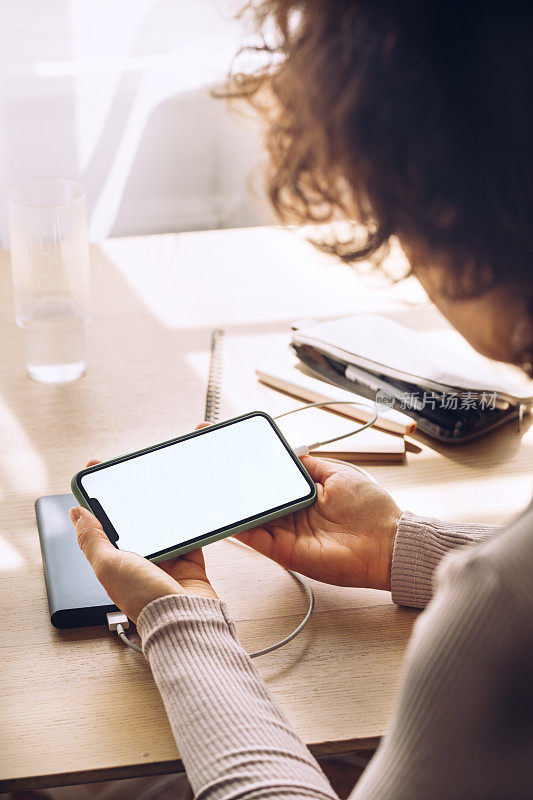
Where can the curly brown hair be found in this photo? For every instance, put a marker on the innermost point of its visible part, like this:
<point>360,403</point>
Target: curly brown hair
<point>412,117</point>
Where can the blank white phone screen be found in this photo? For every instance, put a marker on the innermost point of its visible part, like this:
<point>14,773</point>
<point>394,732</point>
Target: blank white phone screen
<point>169,496</point>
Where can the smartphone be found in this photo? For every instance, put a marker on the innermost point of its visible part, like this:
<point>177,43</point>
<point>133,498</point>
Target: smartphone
<point>179,495</point>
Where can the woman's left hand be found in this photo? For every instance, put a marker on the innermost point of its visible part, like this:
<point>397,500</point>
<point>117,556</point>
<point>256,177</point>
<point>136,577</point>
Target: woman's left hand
<point>130,580</point>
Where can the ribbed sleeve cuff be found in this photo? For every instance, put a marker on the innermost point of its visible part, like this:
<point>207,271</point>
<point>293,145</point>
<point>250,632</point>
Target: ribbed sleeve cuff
<point>191,614</point>
<point>420,545</point>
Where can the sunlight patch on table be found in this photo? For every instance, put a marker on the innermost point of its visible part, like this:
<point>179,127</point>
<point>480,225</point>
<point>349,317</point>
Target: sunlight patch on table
<point>181,278</point>
<point>18,457</point>
<point>10,558</point>
<point>495,500</point>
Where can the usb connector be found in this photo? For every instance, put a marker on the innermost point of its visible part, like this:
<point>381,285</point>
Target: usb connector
<point>116,618</point>
<point>117,621</point>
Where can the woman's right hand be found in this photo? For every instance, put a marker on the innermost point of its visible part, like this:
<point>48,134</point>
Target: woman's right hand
<point>346,538</point>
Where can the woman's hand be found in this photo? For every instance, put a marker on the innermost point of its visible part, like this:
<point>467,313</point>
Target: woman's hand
<point>345,538</point>
<point>130,580</point>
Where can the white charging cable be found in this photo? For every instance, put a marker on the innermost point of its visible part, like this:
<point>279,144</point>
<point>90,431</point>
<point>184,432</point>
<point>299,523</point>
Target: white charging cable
<point>299,628</point>
<point>117,621</point>
<point>304,449</point>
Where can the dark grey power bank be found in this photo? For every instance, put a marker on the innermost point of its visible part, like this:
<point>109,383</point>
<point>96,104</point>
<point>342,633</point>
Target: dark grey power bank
<point>75,598</point>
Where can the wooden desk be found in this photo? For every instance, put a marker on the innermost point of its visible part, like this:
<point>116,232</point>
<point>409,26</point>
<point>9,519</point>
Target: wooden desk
<point>77,705</point>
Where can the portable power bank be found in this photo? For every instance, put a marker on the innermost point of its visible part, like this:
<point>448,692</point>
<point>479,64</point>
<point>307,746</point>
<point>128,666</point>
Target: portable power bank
<point>75,597</point>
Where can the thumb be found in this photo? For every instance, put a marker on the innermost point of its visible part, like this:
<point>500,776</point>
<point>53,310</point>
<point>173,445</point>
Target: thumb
<point>321,470</point>
<point>91,537</point>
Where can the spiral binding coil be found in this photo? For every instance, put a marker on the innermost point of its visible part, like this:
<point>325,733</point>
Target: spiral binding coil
<point>212,397</point>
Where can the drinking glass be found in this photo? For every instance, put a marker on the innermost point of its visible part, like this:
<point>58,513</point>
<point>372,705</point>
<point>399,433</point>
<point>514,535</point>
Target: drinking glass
<point>50,265</point>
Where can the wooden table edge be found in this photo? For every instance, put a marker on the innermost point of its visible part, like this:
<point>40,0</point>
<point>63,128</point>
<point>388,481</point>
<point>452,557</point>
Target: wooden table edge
<point>50,781</point>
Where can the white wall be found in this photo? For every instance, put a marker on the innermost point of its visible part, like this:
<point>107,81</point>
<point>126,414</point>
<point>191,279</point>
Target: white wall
<point>115,93</point>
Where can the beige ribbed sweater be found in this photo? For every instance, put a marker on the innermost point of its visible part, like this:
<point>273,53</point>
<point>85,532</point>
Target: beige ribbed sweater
<point>463,726</point>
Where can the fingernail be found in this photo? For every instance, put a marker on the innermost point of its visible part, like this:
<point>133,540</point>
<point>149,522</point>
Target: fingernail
<point>75,514</point>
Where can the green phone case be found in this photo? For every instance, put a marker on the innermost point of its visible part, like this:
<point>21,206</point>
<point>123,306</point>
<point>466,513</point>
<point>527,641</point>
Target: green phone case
<point>202,541</point>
